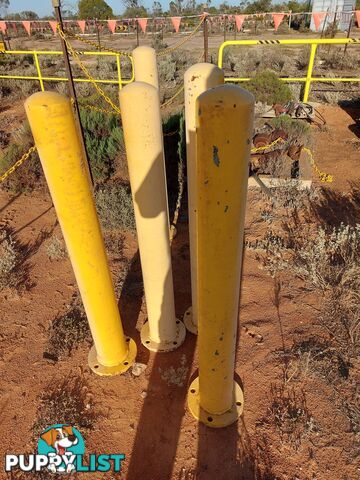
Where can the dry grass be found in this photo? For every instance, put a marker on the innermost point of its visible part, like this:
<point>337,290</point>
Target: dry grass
<point>14,269</point>
<point>66,401</point>
<point>56,249</point>
<point>8,260</point>
<point>114,206</point>
<point>289,414</point>
<point>67,332</point>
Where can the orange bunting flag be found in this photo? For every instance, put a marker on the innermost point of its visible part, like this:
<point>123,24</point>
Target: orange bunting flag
<point>142,22</point>
<point>53,25</point>
<point>318,17</point>
<point>239,20</point>
<point>82,25</point>
<point>3,26</point>
<point>278,18</point>
<point>27,26</point>
<point>112,25</point>
<point>176,23</point>
<point>357,15</point>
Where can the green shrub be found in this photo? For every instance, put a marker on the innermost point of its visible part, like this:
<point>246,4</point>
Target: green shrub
<point>114,206</point>
<point>268,88</point>
<point>298,131</point>
<point>104,142</point>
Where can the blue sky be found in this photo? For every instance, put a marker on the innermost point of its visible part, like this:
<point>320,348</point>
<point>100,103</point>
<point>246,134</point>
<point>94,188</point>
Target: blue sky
<point>44,7</point>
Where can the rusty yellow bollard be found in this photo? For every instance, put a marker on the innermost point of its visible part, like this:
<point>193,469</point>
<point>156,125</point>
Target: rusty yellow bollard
<point>141,118</point>
<point>224,124</point>
<point>53,126</point>
<point>145,66</point>
<point>197,79</point>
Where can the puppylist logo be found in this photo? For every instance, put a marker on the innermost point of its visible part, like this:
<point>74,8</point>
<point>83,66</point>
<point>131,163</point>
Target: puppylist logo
<point>61,449</point>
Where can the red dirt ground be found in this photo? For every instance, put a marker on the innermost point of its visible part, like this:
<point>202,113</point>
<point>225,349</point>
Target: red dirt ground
<point>146,418</point>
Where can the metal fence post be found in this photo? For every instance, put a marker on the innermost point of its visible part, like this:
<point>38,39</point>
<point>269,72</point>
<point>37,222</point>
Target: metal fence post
<point>118,66</point>
<point>38,71</point>
<point>309,72</point>
<point>206,40</point>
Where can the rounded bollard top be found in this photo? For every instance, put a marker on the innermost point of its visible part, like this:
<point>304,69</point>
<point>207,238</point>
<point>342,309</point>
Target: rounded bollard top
<point>43,99</point>
<point>143,48</point>
<point>137,88</point>
<point>203,68</point>
<point>226,96</point>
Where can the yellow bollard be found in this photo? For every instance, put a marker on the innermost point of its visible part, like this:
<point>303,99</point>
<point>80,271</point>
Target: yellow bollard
<point>197,79</point>
<point>145,66</point>
<point>53,126</point>
<point>141,118</point>
<point>224,125</point>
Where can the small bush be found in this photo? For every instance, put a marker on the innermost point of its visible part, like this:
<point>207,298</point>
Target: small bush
<point>167,70</point>
<point>4,139</point>
<point>14,269</point>
<point>268,88</point>
<point>47,62</point>
<point>229,60</point>
<point>302,60</point>
<point>298,131</point>
<point>114,206</point>
<point>322,259</point>
<point>67,332</point>
<point>39,36</point>
<point>68,401</point>
<point>330,262</point>
<point>29,175</point>
<point>157,42</point>
<point>332,97</point>
<point>283,29</point>
<point>289,413</point>
<point>56,249</point>
<point>104,142</point>
<point>336,60</point>
<point>8,261</point>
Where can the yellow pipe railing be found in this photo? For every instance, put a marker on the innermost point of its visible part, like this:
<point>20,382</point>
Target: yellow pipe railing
<point>309,79</point>
<point>41,78</point>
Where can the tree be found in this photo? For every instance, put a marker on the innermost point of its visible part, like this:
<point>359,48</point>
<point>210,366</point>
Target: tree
<point>134,8</point>
<point>95,9</point>
<point>258,6</point>
<point>3,7</point>
<point>157,9</point>
<point>25,15</point>
<point>29,15</point>
<point>175,7</point>
<point>68,10</point>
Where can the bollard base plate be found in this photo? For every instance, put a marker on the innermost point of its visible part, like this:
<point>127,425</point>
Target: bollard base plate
<point>123,367</point>
<point>209,419</point>
<point>188,321</point>
<point>163,346</point>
